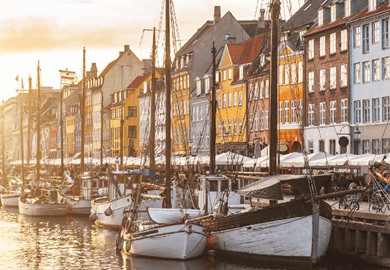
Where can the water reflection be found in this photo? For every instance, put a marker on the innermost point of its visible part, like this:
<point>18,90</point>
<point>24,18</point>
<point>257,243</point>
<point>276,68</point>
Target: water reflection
<point>73,243</point>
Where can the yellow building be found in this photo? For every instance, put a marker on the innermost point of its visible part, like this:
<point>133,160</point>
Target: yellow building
<point>180,113</point>
<point>116,122</point>
<point>290,98</point>
<point>232,95</point>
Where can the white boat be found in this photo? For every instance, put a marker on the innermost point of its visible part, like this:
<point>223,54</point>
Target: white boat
<point>79,198</point>
<point>10,198</point>
<point>288,231</point>
<point>109,211</point>
<point>180,241</point>
<point>42,202</point>
<point>172,215</point>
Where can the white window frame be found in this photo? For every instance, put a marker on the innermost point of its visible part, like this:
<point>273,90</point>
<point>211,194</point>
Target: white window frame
<point>344,111</point>
<point>357,67</point>
<point>322,113</point>
<point>386,109</point>
<point>300,72</point>
<point>343,76</point>
<point>310,52</point>
<point>322,46</point>
<point>386,68</point>
<point>376,70</point>
<point>376,110</point>
<point>332,78</point>
<point>332,112</point>
<point>366,72</point>
<point>344,40</point>
<point>332,43</point>
<point>280,112</point>
<point>366,111</point>
<point>293,116</point>
<point>286,73</point>
<point>347,8</point>
<point>293,73</point>
<point>358,111</point>
<point>376,32</point>
<point>311,115</point>
<point>357,37</point>
<point>322,79</point>
<point>366,38</point>
<point>286,111</point>
<point>385,34</point>
<point>310,82</point>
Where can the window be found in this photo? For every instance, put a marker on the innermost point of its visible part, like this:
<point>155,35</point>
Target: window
<point>280,75</point>
<point>366,72</point>
<point>343,76</point>
<point>300,72</point>
<point>357,38</point>
<point>386,146</point>
<point>224,101</point>
<point>266,119</point>
<point>375,110</point>
<point>310,146</point>
<point>310,83</point>
<point>261,90</point>
<point>322,113</point>
<point>293,73</point>
<point>358,111</point>
<point>240,126</point>
<point>206,84</point>
<point>332,147</point>
<point>280,111</point>
<point>224,75</point>
<point>321,145</point>
<point>132,111</point>
<point>286,74</point>
<point>229,99</point>
<point>241,72</point>
<point>385,34</point>
<point>239,98</point>
<point>376,75</point>
<point>286,111</point>
<point>333,14</point>
<point>300,110</point>
<point>357,73</point>
<point>235,127</point>
<point>311,49</point>
<point>256,121</point>
<point>229,127</point>
<point>375,32</point>
<point>256,92</point>
<point>344,110</point>
<point>366,111</point>
<point>266,88</point>
<point>386,108</point>
<point>293,111</point>
<point>322,46</point>
<point>235,99</point>
<point>332,78</point>
<point>344,40</point>
<point>322,79</point>
<point>366,146</point>
<point>219,101</point>
<point>332,112</point>
<point>230,73</point>
<point>132,132</point>
<point>371,5</point>
<point>261,120</point>
<point>311,115</point>
<point>366,38</point>
<point>347,8</point>
<point>320,17</point>
<point>198,86</point>
<point>332,47</point>
<point>386,68</point>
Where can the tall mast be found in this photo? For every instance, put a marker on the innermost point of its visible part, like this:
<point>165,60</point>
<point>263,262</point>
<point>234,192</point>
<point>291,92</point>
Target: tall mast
<point>3,144</point>
<point>21,139</point>
<point>168,104</point>
<point>213,134</point>
<point>273,102</point>
<point>101,129</point>
<point>82,116</point>
<point>39,124</point>
<point>62,134</point>
<point>29,121</point>
<point>153,105</point>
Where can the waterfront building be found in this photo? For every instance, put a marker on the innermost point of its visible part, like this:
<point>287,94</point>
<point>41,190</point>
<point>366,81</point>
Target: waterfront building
<point>370,77</point>
<point>327,105</point>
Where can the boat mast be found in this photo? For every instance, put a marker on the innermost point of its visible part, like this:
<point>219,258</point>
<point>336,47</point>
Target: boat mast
<point>21,139</point>
<point>213,134</point>
<point>29,121</point>
<point>3,144</point>
<point>152,134</point>
<point>273,101</point>
<point>62,139</point>
<point>167,104</point>
<point>82,116</point>
<point>39,125</point>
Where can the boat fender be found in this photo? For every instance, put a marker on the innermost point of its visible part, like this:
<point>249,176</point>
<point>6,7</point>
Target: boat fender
<point>211,241</point>
<point>108,211</point>
<point>93,217</point>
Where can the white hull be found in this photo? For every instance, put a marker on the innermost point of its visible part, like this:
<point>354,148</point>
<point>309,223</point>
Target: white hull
<point>117,206</point>
<point>178,241</point>
<point>172,215</point>
<point>53,209</point>
<point>281,238</point>
<point>10,199</point>
<point>78,206</point>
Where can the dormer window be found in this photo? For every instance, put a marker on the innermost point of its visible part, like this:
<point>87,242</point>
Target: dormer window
<point>206,83</point>
<point>198,86</point>
<point>372,5</point>
<point>347,8</point>
<point>241,72</point>
<point>333,14</point>
<point>320,17</point>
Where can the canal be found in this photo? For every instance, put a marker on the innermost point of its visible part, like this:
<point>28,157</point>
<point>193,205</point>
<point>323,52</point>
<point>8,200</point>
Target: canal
<point>73,243</point>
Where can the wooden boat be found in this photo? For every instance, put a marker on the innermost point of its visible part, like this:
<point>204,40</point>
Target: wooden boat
<point>42,202</point>
<point>172,215</point>
<point>10,198</point>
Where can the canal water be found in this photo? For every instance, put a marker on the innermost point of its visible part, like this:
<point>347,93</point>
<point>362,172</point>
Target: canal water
<point>73,243</point>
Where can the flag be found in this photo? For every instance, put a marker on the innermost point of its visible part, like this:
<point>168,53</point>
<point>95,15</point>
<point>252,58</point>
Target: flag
<point>17,78</point>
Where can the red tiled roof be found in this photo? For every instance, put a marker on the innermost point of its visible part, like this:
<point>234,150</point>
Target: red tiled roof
<point>366,13</point>
<point>246,51</point>
<point>137,81</point>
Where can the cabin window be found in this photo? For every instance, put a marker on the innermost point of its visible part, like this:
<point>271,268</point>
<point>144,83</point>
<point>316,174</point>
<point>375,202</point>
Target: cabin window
<point>213,186</point>
<point>224,185</point>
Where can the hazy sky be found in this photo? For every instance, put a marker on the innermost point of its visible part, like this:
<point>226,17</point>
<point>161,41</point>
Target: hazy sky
<point>55,32</point>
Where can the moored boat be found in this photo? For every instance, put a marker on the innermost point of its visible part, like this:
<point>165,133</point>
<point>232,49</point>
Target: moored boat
<point>10,198</point>
<point>42,202</point>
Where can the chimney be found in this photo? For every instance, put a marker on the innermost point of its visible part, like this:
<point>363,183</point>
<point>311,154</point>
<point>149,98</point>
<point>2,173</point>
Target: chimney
<point>94,70</point>
<point>217,14</point>
<point>262,25</point>
<point>126,48</point>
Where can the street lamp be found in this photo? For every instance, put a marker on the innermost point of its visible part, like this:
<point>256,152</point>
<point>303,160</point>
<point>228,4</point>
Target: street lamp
<point>356,138</point>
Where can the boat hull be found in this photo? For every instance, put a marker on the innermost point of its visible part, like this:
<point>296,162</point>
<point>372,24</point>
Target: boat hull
<point>282,231</point>
<point>78,206</point>
<point>177,241</point>
<point>38,210</point>
<point>10,199</point>
<point>172,215</point>
<point>113,218</point>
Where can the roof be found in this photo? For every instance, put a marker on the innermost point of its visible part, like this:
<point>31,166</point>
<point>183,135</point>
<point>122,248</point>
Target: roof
<point>366,13</point>
<point>305,16</point>
<point>245,52</point>
<point>138,81</point>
